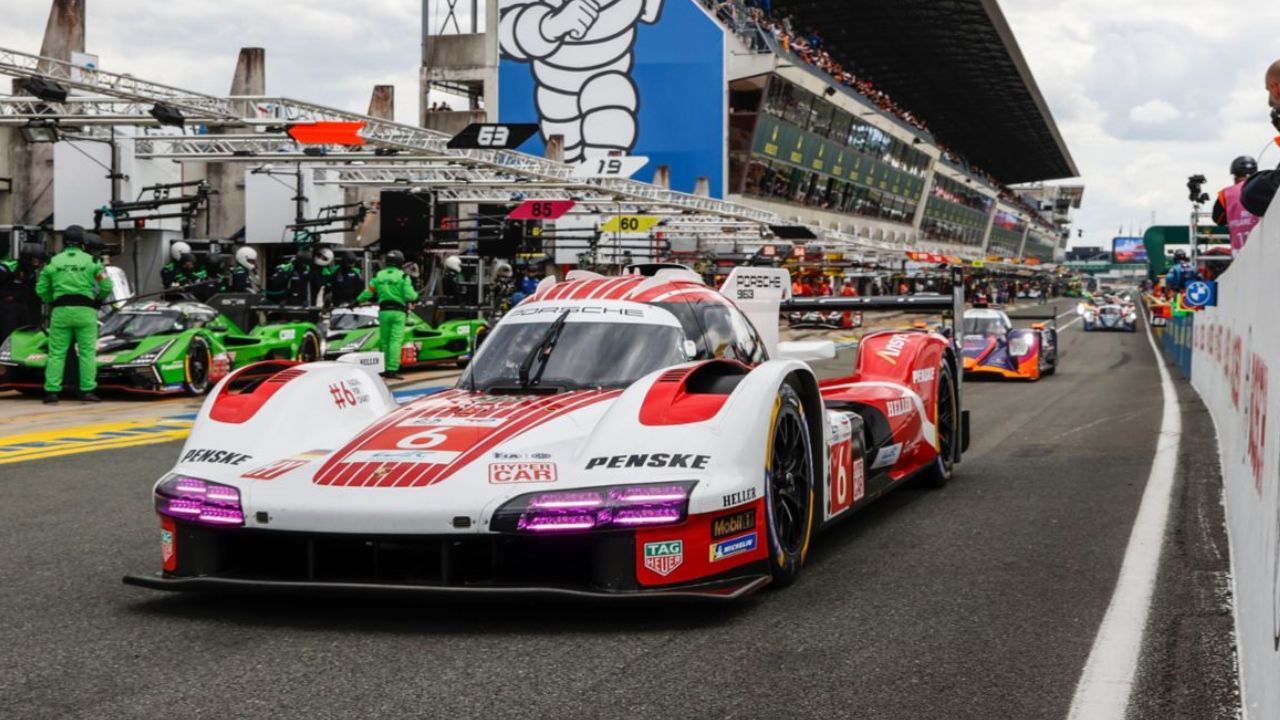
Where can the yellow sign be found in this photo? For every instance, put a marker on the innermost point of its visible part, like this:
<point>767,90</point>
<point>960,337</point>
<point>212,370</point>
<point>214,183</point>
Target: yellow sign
<point>629,223</point>
<point>978,263</point>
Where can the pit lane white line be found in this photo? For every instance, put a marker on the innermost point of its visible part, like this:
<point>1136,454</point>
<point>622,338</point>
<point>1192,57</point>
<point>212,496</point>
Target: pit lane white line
<point>1107,680</point>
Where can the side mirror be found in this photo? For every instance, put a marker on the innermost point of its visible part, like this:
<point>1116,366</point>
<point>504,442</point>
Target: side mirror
<point>807,350</point>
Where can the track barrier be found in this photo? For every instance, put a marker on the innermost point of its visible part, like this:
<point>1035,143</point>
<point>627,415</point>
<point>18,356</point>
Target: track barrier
<point>1229,350</point>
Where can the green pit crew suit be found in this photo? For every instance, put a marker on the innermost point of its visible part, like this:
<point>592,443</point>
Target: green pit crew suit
<point>394,291</point>
<point>72,283</point>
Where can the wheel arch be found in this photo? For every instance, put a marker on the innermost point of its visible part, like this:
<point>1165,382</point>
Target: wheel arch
<point>811,400</point>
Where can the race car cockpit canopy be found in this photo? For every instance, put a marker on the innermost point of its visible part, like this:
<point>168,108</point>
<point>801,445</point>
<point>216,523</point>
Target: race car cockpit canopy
<point>986,322</point>
<point>591,331</point>
<point>141,320</point>
<point>577,344</point>
<point>354,319</point>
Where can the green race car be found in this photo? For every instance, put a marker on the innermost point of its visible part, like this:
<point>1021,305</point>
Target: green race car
<point>356,330</point>
<point>163,347</point>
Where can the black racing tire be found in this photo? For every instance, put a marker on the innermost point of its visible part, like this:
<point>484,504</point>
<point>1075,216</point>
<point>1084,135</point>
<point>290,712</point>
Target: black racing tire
<point>789,487</point>
<point>1053,367</point>
<point>947,421</point>
<point>197,364</point>
<point>309,348</point>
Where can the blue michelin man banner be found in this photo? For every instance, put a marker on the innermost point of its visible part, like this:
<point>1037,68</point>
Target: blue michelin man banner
<point>645,77</point>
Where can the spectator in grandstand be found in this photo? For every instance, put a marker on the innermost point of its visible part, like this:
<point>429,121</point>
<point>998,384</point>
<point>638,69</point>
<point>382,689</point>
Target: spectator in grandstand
<point>1227,209</point>
<point>1259,190</point>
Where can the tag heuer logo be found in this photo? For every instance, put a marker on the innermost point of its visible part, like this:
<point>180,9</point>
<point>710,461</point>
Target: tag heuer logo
<point>664,557</point>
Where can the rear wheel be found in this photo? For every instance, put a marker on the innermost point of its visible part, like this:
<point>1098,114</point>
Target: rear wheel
<point>1052,364</point>
<point>309,349</point>
<point>789,487</point>
<point>947,422</point>
<point>196,366</point>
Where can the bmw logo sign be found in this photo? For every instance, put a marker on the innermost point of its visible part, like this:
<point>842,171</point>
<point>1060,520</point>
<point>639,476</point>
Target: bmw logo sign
<point>1199,293</point>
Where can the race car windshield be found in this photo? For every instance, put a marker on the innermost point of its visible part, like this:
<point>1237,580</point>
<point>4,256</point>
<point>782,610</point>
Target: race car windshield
<point>983,326</point>
<point>352,321</point>
<point>586,355</point>
<point>136,325</point>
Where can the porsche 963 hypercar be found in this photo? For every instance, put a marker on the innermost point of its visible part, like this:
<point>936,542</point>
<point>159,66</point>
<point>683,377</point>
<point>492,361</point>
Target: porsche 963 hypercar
<point>613,436</point>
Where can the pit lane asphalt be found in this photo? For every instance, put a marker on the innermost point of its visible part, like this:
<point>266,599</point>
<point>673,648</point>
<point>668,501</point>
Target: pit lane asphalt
<point>977,601</point>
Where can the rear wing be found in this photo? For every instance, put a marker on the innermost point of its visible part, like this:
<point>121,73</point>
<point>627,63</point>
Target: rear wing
<point>763,293</point>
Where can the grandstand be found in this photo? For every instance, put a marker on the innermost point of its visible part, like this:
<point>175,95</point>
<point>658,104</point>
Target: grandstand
<point>901,123</point>
<point>926,130</point>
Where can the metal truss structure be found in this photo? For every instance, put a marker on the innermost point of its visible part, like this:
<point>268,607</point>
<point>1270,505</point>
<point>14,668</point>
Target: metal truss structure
<point>394,155</point>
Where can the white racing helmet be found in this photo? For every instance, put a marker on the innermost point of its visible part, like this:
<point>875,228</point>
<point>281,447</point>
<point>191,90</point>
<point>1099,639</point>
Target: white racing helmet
<point>323,257</point>
<point>178,249</point>
<point>247,258</point>
<point>453,263</point>
<point>502,269</point>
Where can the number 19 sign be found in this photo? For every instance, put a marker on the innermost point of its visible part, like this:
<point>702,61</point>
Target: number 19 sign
<point>622,166</point>
<point>540,209</point>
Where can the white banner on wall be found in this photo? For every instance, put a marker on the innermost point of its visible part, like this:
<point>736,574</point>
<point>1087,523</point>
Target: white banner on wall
<point>1236,355</point>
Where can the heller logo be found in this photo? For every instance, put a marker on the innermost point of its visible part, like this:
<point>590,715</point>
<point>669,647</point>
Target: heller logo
<point>899,406</point>
<point>893,350</point>
<point>664,557</point>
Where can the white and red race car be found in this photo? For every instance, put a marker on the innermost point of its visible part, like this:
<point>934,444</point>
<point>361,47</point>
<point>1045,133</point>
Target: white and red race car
<point>614,436</point>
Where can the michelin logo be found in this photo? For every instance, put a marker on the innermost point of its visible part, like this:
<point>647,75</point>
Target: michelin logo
<point>580,53</point>
<point>733,546</point>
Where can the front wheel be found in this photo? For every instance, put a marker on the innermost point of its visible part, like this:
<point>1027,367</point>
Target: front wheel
<point>947,422</point>
<point>789,487</point>
<point>196,367</point>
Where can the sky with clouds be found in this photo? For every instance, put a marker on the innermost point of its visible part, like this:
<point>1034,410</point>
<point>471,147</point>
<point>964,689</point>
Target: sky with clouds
<point>1146,92</point>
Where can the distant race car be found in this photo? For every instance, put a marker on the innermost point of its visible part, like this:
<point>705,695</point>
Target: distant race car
<point>162,347</point>
<point>615,436</point>
<point>1109,314</point>
<point>993,347</point>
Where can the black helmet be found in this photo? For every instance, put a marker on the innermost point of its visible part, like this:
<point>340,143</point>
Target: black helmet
<point>216,262</point>
<point>303,257</point>
<point>1244,166</point>
<point>73,236</point>
<point>395,258</point>
<point>1180,255</point>
<point>94,245</point>
<point>346,258</point>
<point>187,259</point>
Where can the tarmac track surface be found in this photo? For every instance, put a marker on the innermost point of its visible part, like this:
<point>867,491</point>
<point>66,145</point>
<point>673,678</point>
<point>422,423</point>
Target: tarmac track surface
<point>977,601</point>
